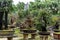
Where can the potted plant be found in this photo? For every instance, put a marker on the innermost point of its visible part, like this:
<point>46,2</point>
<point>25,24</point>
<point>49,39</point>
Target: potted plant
<point>6,32</point>
<point>42,23</point>
<point>9,34</point>
<point>56,31</point>
<point>29,28</point>
<point>55,22</point>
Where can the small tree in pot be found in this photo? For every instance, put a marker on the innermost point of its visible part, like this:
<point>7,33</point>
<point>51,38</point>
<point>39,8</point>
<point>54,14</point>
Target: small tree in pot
<point>55,22</point>
<point>43,21</point>
<point>56,33</point>
<point>29,28</point>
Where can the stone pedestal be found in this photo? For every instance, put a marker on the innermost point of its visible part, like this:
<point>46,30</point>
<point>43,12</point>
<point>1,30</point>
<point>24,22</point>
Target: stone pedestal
<point>44,35</point>
<point>9,38</point>
<point>33,36</point>
<point>27,32</point>
<point>25,36</point>
<point>7,34</point>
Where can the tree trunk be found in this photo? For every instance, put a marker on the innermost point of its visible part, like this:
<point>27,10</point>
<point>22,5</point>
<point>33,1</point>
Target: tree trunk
<point>1,20</point>
<point>6,20</point>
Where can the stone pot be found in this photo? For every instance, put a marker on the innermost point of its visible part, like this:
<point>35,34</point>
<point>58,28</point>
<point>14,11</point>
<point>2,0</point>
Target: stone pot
<point>44,35</point>
<point>6,33</point>
<point>56,34</point>
<point>27,31</point>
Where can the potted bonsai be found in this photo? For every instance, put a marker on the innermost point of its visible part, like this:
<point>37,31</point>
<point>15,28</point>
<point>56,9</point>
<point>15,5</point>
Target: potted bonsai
<point>4,9</point>
<point>41,26</point>
<point>29,28</point>
<point>9,34</point>
<point>55,22</point>
<point>56,31</point>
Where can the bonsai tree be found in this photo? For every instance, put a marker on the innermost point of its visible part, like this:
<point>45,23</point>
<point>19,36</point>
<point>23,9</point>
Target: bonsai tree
<point>29,23</point>
<point>43,20</point>
<point>44,24</point>
<point>55,22</point>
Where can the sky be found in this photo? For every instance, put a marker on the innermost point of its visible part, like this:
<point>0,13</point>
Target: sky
<point>25,1</point>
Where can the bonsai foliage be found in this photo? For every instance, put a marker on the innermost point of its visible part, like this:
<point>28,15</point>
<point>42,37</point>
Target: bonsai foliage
<point>43,20</point>
<point>55,21</point>
<point>54,7</point>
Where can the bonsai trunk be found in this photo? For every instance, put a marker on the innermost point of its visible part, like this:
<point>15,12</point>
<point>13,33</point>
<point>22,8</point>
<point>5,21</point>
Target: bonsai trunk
<point>44,27</point>
<point>1,20</point>
<point>45,24</point>
<point>6,19</point>
<point>56,29</point>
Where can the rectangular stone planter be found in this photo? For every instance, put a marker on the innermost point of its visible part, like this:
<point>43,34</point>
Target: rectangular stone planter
<point>7,34</point>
